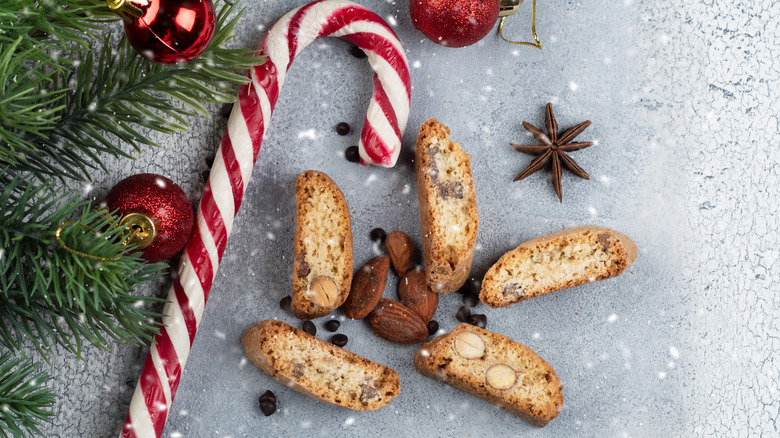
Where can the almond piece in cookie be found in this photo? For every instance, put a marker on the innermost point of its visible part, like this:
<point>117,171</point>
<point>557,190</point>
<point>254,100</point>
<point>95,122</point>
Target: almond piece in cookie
<point>557,261</point>
<point>448,207</point>
<point>495,368</point>
<point>322,263</point>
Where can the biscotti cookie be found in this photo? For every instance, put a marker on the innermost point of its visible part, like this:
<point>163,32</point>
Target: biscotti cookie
<point>448,207</point>
<point>495,368</point>
<point>322,266</point>
<point>557,261</point>
<point>318,369</point>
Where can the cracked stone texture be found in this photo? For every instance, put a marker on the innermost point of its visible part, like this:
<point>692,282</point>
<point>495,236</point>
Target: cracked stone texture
<point>684,105</point>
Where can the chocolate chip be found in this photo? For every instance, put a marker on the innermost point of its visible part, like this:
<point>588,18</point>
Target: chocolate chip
<point>478,320</point>
<point>433,327</point>
<point>463,314</point>
<point>298,371</point>
<point>339,340</point>
<point>450,189</point>
<point>342,128</point>
<point>368,392</point>
<point>378,235</point>
<point>352,154</point>
<point>513,291</point>
<point>268,396</point>
<point>470,299</point>
<point>604,240</point>
<point>267,407</point>
<point>310,328</point>
<point>285,302</point>
<point>205,175</point>
<point>470,287</point>
<point>226,110</point>
<point>357,52</point>
<point>303,267</point>
<point>332,325</point>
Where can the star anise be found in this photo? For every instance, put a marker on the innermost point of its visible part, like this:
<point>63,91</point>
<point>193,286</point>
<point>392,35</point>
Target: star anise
<point>553,147</point>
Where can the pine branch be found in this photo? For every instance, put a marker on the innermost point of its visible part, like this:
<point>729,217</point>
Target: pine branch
<point>54,296</point>
<point>52,24</point>
<point>73,114</point>
<point>24,401</point>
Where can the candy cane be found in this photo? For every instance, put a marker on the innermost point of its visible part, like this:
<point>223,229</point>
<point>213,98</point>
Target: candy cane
<point>380,144</point>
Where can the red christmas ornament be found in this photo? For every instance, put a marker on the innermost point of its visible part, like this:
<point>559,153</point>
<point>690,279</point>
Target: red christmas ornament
<point>156,212</point>
<point>454,23</point>
<point>167,31</point>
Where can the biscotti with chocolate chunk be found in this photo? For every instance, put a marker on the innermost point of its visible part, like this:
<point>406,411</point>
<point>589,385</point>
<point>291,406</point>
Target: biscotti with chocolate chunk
<point>448,207</point>
<point>495,368</point>
<point>318,369</point>
<point>322,263</point>
<point>557,261</point>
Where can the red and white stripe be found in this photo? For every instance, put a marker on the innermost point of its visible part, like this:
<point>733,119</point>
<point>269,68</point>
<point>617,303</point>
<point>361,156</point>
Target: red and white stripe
<point>380,144</point>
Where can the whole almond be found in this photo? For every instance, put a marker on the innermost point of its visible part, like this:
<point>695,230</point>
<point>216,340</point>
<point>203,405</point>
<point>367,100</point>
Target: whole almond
<point>397,323</point>
<point>415,294</point>
<point>401,250</point>
<point>367,287</point>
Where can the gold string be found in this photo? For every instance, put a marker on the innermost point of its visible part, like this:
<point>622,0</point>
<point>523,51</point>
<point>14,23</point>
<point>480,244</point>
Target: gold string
<point>538,44</point>
<point>79,253</point>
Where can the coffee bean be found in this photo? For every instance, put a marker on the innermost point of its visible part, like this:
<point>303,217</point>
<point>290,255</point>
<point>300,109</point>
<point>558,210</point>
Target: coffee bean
<point>463,314</point>
<point>332,325</point>
<point>339,340</point>
<point>433,327</point>
<point>378,235</point>
<point>342,128</point>
<point>210,160</point>
<point>478,320</point>
<point>310,328</point>
<point>285,302</point>
<point>226,110</point>
<point>470,300</point>
<point>352,154</point>
<point>357,52</point>
<point>268,407</point>
<point>268,396</point>
<point>470,287</point>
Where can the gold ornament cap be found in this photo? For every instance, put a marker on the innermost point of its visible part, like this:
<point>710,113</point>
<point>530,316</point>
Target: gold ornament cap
<point>509,7</point>
<point>128,9</point>
<point>140,229</point>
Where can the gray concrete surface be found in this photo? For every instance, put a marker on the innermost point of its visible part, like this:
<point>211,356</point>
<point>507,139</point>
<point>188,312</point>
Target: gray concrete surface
<point>684,102</point>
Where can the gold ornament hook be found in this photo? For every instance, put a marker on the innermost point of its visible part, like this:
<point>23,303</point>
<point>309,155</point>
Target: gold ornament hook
<point>509,7</point>
<point>140,231</point>
<point>79,253</point>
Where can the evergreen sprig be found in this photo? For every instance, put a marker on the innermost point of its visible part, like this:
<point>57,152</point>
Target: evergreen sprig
<point>54,296</point>
<point>23,397</point>
<point>57,122</point>
<point>70,93</point>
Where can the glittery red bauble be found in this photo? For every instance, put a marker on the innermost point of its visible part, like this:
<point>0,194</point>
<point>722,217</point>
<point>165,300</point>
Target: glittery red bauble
<point>164,202</point>
<point>454,23</point>
<point>170,31</point>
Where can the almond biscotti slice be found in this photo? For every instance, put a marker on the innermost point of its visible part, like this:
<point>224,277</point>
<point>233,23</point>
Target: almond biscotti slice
<point>448,207</point>
<point>495,368</point>
<point>322,266</point>
<point>318,369</point>
<point>557,261</point>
